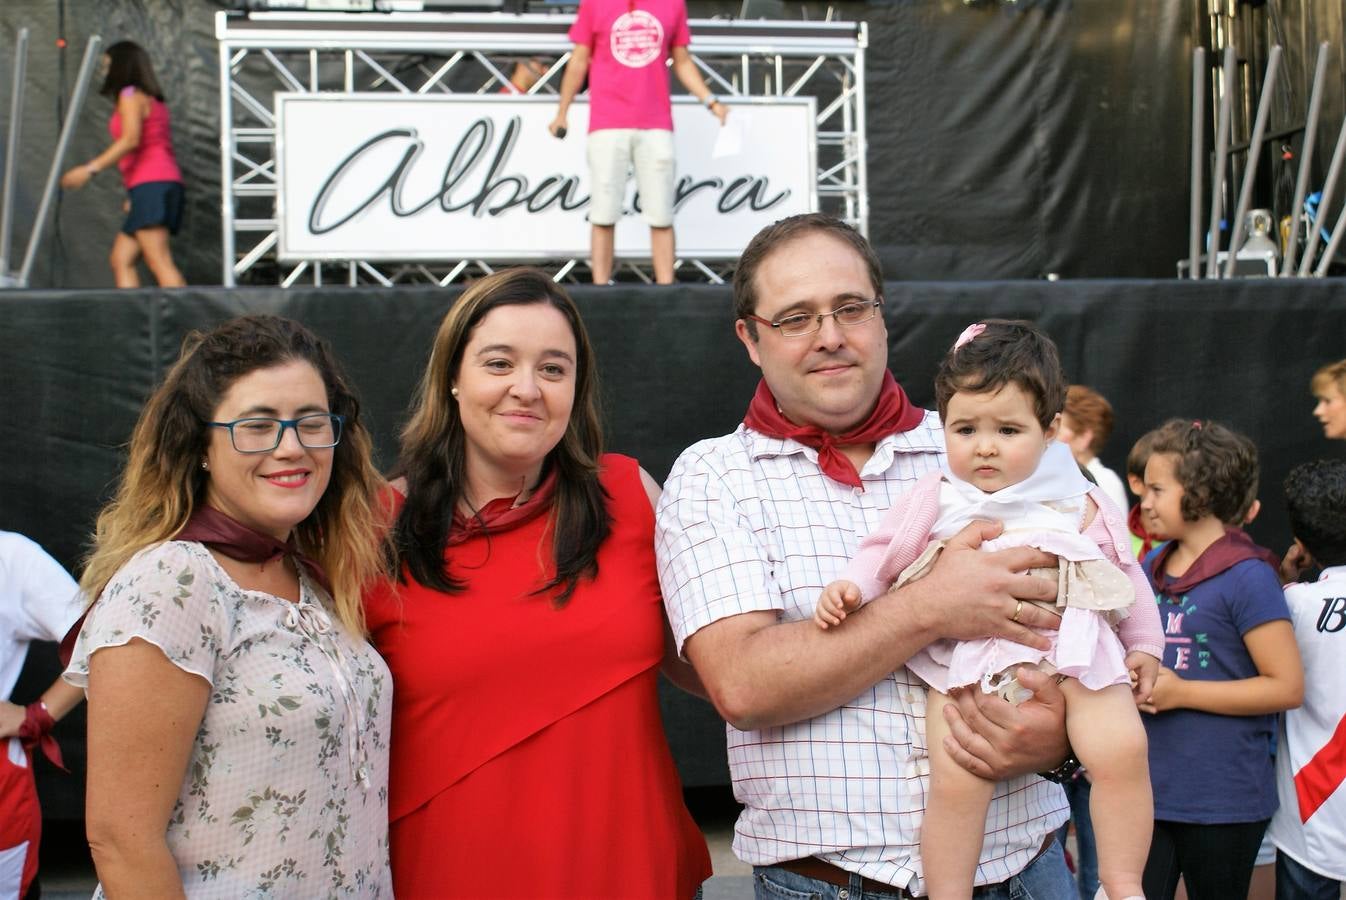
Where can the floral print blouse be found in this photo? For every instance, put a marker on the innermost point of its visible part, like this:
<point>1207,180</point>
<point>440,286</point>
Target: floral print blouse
<point>286,791</point>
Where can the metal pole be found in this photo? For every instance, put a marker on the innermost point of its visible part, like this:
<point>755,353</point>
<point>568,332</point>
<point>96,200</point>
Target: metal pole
<point>12,149</point>
<point>861,130</point>
<point>228,238</point>
<point>1305,160</point>
<point>1254,151</point>
<point>1221,160</point>
<point>1331,245</point>
<point>1198,149</point>
<point>86,70</point>
<point>1329,187</point>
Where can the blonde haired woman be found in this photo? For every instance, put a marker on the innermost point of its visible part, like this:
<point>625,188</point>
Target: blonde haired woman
<point>238,720</point>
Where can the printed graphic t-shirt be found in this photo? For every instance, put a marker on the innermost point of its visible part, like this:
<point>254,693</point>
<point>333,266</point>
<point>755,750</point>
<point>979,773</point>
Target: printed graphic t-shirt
<point>629,43</point>
<point>1210,769</point>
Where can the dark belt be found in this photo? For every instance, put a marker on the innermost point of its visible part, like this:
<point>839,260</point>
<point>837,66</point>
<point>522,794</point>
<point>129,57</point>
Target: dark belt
<point>819,870</point>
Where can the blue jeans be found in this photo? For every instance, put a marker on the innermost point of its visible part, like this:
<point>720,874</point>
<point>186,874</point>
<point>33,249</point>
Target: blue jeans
<point>1086,856</point>
<point>1297,882</point>
<point>1046,878</point>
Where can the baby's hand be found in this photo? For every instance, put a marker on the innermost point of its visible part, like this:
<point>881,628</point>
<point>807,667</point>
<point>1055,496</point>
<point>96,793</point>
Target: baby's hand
<point>839,598</point>
<point>1144,669</point>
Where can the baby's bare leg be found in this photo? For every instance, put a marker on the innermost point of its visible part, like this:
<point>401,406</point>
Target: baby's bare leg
<point>955,813</point>
<point>1108,737</point>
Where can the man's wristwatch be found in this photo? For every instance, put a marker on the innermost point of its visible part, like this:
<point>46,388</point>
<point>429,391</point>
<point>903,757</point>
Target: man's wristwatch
<point>1064,772</point>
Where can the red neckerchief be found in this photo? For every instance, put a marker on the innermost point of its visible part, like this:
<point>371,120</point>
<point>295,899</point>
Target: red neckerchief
<point>237,541</point>
<point>1233,548</point>
<point>230,537</point>
<point>501,514</point>
<point>892,414</point>
<point>1138,529</point>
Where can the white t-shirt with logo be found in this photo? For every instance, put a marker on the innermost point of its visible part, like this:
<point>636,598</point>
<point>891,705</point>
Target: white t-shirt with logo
<point>1310,825</point>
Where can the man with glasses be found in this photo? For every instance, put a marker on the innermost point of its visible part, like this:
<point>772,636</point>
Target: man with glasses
<point>826,731</point>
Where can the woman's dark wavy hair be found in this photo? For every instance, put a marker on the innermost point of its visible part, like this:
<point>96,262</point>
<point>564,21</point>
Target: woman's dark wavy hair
<point>434,445</point>
<point>1315,498</point>
<point>1217,468</point>
<point>129,66</point>
<point>1006,351</point>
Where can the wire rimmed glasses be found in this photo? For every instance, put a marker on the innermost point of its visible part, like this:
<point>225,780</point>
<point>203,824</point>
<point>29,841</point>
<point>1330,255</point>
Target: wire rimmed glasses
<point>262,434</point>
<point>857,312</point>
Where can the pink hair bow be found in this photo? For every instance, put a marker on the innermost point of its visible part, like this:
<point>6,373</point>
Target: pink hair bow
<point>968,334</point>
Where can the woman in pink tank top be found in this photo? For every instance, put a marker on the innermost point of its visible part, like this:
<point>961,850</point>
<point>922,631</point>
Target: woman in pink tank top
<point>142,149</point>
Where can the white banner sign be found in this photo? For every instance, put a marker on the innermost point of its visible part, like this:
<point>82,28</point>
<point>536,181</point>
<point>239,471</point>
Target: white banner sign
<point>397,177</point>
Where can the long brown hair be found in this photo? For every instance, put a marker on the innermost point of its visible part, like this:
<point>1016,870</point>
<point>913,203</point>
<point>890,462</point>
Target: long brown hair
<point>163,480</point>
<point>434,445</point>
<point>129,66</point>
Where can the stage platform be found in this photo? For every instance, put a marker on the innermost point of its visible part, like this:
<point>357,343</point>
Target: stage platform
<point>78,365</point>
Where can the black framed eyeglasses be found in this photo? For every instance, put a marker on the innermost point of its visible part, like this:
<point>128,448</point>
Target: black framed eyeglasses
<point>856,312</point>
<point>262,434</point>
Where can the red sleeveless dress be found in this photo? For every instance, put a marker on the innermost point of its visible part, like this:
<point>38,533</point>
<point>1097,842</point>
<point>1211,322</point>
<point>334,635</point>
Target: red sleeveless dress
<point>528,753</point>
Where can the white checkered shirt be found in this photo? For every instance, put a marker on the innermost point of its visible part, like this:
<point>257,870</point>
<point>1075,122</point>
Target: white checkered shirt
<point>747,523</point>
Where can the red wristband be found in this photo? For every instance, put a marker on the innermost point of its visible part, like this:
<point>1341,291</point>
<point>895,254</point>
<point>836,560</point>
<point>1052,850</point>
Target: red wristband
<point>36,731</point>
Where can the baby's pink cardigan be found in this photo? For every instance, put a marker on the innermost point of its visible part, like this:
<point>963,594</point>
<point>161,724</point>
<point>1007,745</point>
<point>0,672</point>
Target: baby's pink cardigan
<point>905,532</point>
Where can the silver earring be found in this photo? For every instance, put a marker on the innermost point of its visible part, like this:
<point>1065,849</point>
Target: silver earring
<point>205,464</point>
<point>453,391</point>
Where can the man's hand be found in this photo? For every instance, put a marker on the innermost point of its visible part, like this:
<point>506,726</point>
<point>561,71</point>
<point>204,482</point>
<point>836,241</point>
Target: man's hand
<point>996,740</point>
<point>976,595</point>
<point>1144,670</point>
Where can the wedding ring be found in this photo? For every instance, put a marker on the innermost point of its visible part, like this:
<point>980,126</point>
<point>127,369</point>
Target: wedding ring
<point>1018,608</point>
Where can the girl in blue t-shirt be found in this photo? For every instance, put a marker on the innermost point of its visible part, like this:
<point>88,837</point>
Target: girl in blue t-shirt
<point>1230,664</point>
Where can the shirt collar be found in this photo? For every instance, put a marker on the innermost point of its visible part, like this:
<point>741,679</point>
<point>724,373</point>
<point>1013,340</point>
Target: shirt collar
<point>927,437</point>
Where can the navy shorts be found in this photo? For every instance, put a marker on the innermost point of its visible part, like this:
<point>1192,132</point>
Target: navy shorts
<point>155,204</point>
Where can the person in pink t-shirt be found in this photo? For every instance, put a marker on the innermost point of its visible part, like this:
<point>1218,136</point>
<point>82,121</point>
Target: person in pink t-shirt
<point>624,46</point>
<point>142,148</point>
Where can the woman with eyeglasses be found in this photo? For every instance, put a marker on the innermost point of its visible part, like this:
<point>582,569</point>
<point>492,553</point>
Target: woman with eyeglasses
<point>526,642</point>
<point>238,720</point>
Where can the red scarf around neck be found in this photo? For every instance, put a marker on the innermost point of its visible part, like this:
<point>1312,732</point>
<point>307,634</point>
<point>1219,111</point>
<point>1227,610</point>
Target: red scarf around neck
<point>502,514</point>
<point>892,414</point>
<point>226,535</point>
<point>1233,548</point>
<point>237,541</point>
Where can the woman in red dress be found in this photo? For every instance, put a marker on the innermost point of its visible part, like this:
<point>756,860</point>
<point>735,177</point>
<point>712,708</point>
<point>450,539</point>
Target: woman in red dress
<point>527,633</point>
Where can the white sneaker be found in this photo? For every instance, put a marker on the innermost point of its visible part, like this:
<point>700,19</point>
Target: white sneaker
<point>1102,895</point>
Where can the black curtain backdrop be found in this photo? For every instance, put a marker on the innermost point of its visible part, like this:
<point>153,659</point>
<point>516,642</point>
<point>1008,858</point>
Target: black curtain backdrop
<point>1005,140</point>
<point>78,365</point>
